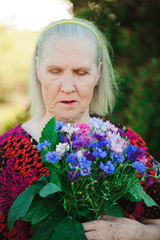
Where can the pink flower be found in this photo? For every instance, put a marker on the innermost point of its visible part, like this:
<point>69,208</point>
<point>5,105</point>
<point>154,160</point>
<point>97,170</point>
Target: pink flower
<point>143,159</point>
<point>84,130</point>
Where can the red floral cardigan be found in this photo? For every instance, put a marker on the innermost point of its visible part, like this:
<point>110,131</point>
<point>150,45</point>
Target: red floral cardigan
<point>20,165</point>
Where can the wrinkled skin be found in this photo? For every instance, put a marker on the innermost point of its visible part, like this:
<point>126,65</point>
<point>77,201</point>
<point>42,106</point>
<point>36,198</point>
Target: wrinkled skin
<point>115,228</point>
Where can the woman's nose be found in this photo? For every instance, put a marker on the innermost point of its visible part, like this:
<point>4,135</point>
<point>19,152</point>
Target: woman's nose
<point>67,84</point>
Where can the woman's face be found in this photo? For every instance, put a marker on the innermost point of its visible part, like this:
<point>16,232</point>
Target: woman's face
<point>68,74</point>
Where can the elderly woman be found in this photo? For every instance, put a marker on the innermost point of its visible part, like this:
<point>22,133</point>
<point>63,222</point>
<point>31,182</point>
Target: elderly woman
<point>72,78</point>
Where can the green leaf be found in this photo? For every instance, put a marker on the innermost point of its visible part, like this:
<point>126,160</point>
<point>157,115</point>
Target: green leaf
<point>46,229</point>
<point>148,200</point>
<point>54,178</point>
<point>82,213</point>
<point>49,132</point>
<point>68,229</point>
<point>136,193</point>
<point>22,203</point>
<point>115,211</point>
<point>49,189</point>
<point>39,209</point>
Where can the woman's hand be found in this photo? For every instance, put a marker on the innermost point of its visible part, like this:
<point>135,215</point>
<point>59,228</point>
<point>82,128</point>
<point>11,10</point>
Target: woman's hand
<point>115,228</point>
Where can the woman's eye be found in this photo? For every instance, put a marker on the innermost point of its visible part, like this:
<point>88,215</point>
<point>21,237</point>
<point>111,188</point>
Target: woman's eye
<point>55,71</point>
<point>81,73</point>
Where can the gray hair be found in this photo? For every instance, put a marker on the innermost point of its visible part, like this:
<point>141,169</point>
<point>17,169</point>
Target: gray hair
<point>103,99</point>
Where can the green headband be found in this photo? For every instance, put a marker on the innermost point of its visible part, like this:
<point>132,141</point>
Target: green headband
<point>76,22</point>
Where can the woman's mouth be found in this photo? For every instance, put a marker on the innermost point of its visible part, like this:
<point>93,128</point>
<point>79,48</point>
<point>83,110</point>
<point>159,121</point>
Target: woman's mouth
<point>68,102</point>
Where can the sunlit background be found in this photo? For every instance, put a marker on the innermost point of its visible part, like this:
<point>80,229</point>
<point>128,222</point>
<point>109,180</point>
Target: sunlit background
<point>20,23</point>
<point>33,14</point>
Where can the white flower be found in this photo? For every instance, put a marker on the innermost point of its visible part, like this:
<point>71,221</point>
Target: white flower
<point>61,148</point>
<point>69,128</point>
<point>96,122</point>
<point>80,153</point>
<point>116,147</point>
<point>123,143</point>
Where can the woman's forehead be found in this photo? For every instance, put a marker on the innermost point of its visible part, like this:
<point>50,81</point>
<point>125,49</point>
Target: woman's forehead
<point>83,49</point>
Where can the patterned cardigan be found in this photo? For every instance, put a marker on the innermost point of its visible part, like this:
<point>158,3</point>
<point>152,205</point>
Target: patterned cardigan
<point>20,165</point>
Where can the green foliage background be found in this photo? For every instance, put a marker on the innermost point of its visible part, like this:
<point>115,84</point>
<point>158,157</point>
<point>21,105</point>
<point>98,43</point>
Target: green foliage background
<point>133,29</point>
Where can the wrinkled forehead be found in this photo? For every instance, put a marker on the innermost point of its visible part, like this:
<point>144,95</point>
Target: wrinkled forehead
<point>57,44</point>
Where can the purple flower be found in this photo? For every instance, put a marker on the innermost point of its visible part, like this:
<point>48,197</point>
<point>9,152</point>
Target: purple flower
<point>108,168</point>
<point>121,132</point>
<point>149,180</point>
<point>139,166</point>
<point>99,153</point>
<point>71,175</point>
<point>117,157</point>
<point>59,125</point>
<point>80,142</point>
<point>52,157</point>
<point>41,145</point>
<point>140,152</point>
<point>89,156</point>
<point>98,137</point>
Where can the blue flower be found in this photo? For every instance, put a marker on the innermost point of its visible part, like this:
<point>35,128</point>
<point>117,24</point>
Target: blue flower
<point>74,164</point>
<point>85,166</point>
<point>41,145</point>
<point>96,122</point>
<point>84,162</point>
<point>72,159</point>
<point>93,144</point>
<point>117,157</point>
<point>139,166</point>
<point>59,125</point>
<point>52,157</point>
<point>85,171</point>
<point>130,152</point>
<point>99,153</point>
<point>108,168</point>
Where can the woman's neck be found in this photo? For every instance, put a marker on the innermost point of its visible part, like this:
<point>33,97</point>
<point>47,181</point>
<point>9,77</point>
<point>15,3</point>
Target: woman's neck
<point>35,125</point>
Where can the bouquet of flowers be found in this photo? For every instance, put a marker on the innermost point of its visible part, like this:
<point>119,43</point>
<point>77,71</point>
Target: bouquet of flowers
<point>91,169</point>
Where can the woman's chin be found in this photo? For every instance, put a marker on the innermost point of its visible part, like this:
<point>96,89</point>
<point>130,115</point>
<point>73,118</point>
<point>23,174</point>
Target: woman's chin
<point>67,118</point>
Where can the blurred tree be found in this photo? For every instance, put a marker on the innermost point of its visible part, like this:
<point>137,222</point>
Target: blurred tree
<point>133,29</point>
